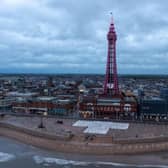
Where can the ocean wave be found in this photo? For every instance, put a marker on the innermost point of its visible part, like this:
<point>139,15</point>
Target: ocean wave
<point>4,157</point>
<point>41,160</point>
<point>49,160</point>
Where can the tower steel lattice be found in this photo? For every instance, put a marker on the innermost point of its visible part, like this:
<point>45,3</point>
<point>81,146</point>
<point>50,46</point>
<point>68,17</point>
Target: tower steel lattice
<point>111,87</point>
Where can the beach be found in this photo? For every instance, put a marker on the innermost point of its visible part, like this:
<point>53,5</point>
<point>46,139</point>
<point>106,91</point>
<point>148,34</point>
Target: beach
<point>14,154</point>
<point>69,139</point>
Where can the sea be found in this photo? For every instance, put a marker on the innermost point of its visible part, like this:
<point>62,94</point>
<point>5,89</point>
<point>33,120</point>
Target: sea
<point>14,154</point>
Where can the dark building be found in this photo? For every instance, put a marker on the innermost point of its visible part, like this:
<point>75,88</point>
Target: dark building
<point>153,109</point>
<point>164,93</point>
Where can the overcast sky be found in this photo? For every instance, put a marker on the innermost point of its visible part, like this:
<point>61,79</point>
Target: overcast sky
<point>69,36</point>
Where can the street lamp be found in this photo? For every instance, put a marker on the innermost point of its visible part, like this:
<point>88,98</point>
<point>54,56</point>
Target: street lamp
<point>41,125</point>
<point>41,121</point>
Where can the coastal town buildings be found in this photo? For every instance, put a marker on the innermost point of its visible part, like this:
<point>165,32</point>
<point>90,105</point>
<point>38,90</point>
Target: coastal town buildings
<point>87,96</point>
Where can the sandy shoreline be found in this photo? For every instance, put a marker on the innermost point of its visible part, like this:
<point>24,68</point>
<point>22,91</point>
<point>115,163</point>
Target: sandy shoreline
<point>73,145</point>
<point>157,159</point>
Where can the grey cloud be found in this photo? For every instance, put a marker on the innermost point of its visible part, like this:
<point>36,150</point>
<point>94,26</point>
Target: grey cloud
<point>70,36</point>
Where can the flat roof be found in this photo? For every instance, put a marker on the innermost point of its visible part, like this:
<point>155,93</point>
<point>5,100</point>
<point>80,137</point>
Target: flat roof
<point>108,101</point>
<point>46,98</point>
<point>100,127</point>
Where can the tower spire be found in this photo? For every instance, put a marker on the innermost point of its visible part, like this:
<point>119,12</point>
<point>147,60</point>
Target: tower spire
<point>112,18</point>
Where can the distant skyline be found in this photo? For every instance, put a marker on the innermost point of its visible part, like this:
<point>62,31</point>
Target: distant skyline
<point>60,36</point>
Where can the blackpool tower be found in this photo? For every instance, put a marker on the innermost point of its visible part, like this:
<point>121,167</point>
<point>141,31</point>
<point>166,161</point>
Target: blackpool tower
<point>111,87</point>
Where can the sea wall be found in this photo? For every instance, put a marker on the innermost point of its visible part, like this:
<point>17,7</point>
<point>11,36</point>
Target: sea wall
<point>63,136</point>
<point>66,143</point>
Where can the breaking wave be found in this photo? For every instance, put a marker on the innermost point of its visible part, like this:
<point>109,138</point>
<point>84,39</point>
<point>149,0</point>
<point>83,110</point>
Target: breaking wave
<point>49,160</point>
<point>4,157</point>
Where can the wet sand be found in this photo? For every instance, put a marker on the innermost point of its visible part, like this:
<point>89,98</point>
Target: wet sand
<point>29,156</point>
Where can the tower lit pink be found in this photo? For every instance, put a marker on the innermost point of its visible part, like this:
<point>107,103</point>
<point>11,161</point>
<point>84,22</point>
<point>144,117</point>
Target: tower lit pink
<point>111,87</point>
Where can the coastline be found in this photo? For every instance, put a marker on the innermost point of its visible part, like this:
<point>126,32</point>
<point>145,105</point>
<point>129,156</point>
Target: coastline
<point>10,147</point>
<point>69,145</point>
